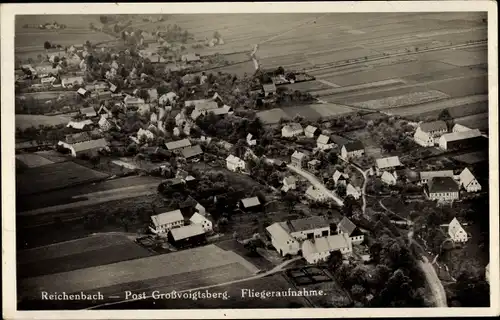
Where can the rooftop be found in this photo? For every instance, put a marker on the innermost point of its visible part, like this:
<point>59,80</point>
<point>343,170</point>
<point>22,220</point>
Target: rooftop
<point>308,223</point>
<point>442,184</point>
<point>389,162</point>
<point>432,126</point>
<point>427,175</point>
<point>192,151</point>
<point>250,202</point>
<point>172,145</point>
<point>454,136</point>
<point>354,146</point>
<point>187,232</point>
<point>167,217</point>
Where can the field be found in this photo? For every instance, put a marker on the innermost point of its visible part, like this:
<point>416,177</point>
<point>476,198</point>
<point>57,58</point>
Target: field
<point>476,121</point>
<point>24,121</point>
<point>77,254</point>
<point>55,176</point>
<point>472,158</point>
<point>311,112</point>
<point>167,270</point>
<point>403,100</point>
<point>32,160</point>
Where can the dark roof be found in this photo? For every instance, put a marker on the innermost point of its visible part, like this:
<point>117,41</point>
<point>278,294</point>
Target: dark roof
<point>307,223</point>
<point>354,146</point>
<point>442,184</point>
<point>78,137</point>
<point>190,202</point>
<point>191,151</point>
<point>437,125</point>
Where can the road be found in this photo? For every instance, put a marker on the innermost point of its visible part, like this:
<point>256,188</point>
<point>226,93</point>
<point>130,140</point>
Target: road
<point>363,188</point>
<point>276,269</point>
<point>316,183</point>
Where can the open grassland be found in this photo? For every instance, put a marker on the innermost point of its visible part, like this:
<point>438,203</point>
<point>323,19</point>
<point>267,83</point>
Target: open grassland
<point>55,176</point>
<point>24,121</point>
<point>78,254</point>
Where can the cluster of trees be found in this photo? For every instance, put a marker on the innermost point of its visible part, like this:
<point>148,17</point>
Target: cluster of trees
<point>174,33</point>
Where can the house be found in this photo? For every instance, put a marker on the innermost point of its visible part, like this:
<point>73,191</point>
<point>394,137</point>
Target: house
<point>143,108</point>
<point>187,236</point>
<point>192,152</point>
<point>460,128</point>
<point>347,227</point>
<point>389,178</point>
<point>250,204</point>
<point>468,181</point>
<point>426,132</point>
<point>104,123</point>
<point>80,125</point>
<point>82,92</point>
<point>352,191</point>
<point>456,232</point>
<point>48,80</point>
<point>179,144</point>
<point>199,219</point>
<point>425,176</point>
<point>459,140</point>
<point>47,70</point>
<point>318,250</point>
<point>269,89</point>
<point>145,134</point>
<point>289,183</point>
<point>352,150</point>
<point>442,189</point>
<point>235,164</point>
<point>165,221</point>
<point>292,130</point>
<point>387,164</point>
<point>297,159</point>
<point>85,147</point>
<point>250,140</point>
<point>313,164</point>
<point>180,118</point>
<point>190,57</point>
<point>315,194</point>
<point>133,102</point>
<point>310,131</point>
<point>340,178</point>
<point>323,142</point>
<point>68,82</point>
<point>103,111</point>
<point>308,228</point>
<point>167,98</point>
<point>202,105</point>
<point>281,240</point>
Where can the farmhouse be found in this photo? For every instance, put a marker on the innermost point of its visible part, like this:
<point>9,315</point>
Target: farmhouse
<point>250,140</point>
<point>68,82</point>
<point>297,159</point>
<point>192,152</point>
<point>310,131</point>
<point>315,194</point>
<point>289,183</point>
<point>425,176</point>
<point>167,98</point>
<point>468,181</point>
<point>133,102</point>
<point>340,178</point>
<point>190,57</point>
<point>202,105</point>
<point>48,80</point>
<point>80,125</point>
<point>387,164</point>
<point>104,123</point>
<point>179,144</point>
<point>389,178</point>
<point>180,118</point>
<point>352,191</point>
<point>313,164</point>
<point>347,227</point>
<point>460,128</point>
<point>352,150</point>
<point>269,89</point>
<point>145,134</point>
<point>163,222</point>
<point>456,232</point>
<point>199,219</point>
<point>459,140</point>
<point>235,164</point>
<point>323,142</point>
<point>82,92</point>
<point>292,130</point>
<point>427,132</point>
<point>318,250</point>
<point>250,204</point>
<point>47,70</point>
<point>85,147</point>
<point>308,228</point>
<point>187,236</point>
<point>281,240</point>
<point>442,189</point>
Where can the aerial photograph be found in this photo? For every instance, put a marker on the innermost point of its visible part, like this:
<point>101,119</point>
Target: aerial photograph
<point>252,160</point>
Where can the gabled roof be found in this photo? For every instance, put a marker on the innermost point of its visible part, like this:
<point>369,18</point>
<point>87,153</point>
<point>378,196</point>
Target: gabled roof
<point>310,129</point>
<point>79,124</point>
<point>290,180</point>
<point>466,177</point>
<point>89,145</point>
<point>322,139</point>
<point>351,190</point>
<point>337,175</point>
<point>250,202</point>
<point>167,217</point>
<point>77,137</point>
<point>308,223</point>
<point>280,234</point>
<point>233,159</point>
<point>427,175</point>
<point>442,184</point>
<point>185,232</point>
<point>432,126</point>
<point>454,227</point>
<point>197,218</point>
<point>454,136</point>
<point>324,244</point>
<point>298,155</point>
<point>460,127</point>
<point>387,176</point>
<point>172,145</point>
<point>89,111</point>
<point>389,162</point>
<point>346,225</point>
<point>192,151</point>
<point>353,146</point>
<point>293,127</point>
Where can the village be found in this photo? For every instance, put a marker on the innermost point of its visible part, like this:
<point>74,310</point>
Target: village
<point>303,193</point>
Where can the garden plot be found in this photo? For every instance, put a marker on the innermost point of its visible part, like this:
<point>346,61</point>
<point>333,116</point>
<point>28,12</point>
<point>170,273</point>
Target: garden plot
<point>401,101</point>
<point>462,87</point>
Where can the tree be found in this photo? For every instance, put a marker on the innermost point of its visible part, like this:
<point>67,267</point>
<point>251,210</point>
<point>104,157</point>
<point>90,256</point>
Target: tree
<point>340,190</point>
<point>216,35</point>
<point>143,94</point>
<point>334,260</point>
<point>103,19</point>
<point>445,115</point>
<point>357,291</point>
<point>47,45</point>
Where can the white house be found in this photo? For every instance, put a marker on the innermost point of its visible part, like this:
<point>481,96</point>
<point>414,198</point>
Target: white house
<point>297,159</point>
<point>80,124</point>
<point>199,219</point>
<point>292,130</point>
<point>352,191</point>
<point>165,221</point>
<point>468,181</point>
<point>352,150</point>
<point>442,189</point>
<point>68,82</point>
<point>167,98</point>
<point>88,112</point>
<point>48,80</point>
<point>235,164</point>
<point>104,123</point>
<point>85,147</point>
<point>310,131</point>
<point>133,102</point>
<point>250,140</point>
<point>456,232</point>
<point>426,132</point>
<point>318,250</point>
<point>347,227</point>
<point>281,240</point>
<point>143,108</point>
<point>340,178</point>
<point>308,228</point>
<point>425,176</point>
<point>148,135</point>
<point>387,164</point>
<point>323,142</point>
<point>315,194</point>
<point>389,178</point>
<point>82,92</point>
<point>450,140</point>
<point>289,183</point>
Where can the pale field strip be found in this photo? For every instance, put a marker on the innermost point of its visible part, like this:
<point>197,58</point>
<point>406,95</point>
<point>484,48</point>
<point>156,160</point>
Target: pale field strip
<point>438,105</point>
<point>24,121</point>
<point>402,100</point>
<point>71,247</point>
<point>358,87</point>
<point>477,121</point>
<point>105,193</point>
<point>175,263</point>
<point>353,69</point>
<point>331,84</point>
<point>447,32</point>
<point>331,109</point>
<point>33,160</point>
<point>125,164</point>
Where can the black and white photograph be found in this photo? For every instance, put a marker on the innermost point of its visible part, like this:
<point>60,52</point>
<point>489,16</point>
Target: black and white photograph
<point>171,160</point>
